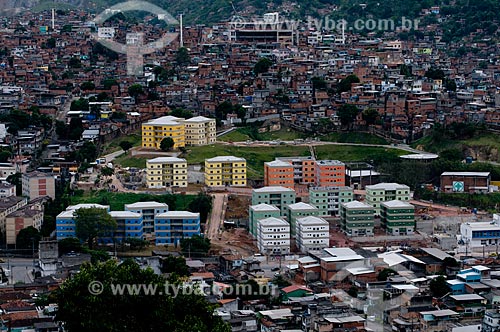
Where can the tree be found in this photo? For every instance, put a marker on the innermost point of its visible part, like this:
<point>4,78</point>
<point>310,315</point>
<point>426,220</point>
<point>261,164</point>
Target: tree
<point>28,238</point>
<point>79,105</point>
<point>370,115</point>
<point>83,305</point>
<point>345,84</point>
<point>202,204</point>
<point>5,155</point>
<point>74,62</point>
<point>182,56</point>
<point>136,243</point>
<point>195,246</point>
<point>450,85</point>
<point>88,152</point>
<point>87,86</point>
<point>319,83</point>
<point>15,179</point>
<point>438,287</point>
<point>385,274</point>
<point>109,82</point>
<point>280,281</point>
<point>69,244</point>
<point>107,171</point>
<point>435,74</point>
<point>93,222</point>
<point>353,291</point>
<point>171,264</point>
<point>51,42</point>
<point>405,70</point>
<point>262,66</point>
<point>167,144</point>
<point>181,113</point>
<point>126,145</point>
<point>347,114</point>
<point>135,90</point>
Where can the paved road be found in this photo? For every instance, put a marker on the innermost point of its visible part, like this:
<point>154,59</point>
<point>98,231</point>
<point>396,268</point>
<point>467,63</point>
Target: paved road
<point>217,216</point>
<point>112,156</point>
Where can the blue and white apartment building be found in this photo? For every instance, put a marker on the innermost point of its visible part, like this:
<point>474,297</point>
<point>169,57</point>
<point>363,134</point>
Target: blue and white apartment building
<point>144,220</point>
<point>475,235</point>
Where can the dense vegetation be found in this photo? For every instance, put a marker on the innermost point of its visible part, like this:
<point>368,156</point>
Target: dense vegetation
<point>461,17</point>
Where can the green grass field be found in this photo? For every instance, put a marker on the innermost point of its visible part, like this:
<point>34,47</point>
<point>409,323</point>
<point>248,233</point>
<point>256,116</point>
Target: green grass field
<point>127,160</point>
<point>255,156</point>
<point>247,133</point>
<point>117,201</point>
<point>364,138</point>
<point>347,153</point>
<point>114,145</point>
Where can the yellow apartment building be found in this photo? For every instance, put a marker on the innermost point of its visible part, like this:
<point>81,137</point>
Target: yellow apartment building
<point>226,171</point>
<point>154,131</point>
<point>200,131</point>
<point>166,172</point>
<point>195,131</point>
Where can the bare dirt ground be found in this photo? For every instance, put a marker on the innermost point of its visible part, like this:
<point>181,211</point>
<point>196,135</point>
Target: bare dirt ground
<point>236,241</point>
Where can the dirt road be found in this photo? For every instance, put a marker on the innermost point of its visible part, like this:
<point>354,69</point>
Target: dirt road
<point>215,221</point>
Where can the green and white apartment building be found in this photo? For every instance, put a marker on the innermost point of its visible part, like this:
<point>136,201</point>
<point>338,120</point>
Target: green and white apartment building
<point>357,218</point>
<point>397,217</point>
<point>259,212</point>
<point>299,210</point>
<point>328,199</point>
<point>274,195</point>
<point>385,192</point>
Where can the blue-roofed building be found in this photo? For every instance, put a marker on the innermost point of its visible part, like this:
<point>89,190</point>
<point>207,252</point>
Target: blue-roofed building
<point>469,275</point>
<point>457,286</point>
<point>173,226</point>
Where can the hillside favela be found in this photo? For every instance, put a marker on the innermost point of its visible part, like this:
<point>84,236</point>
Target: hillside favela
<point>249,166</point>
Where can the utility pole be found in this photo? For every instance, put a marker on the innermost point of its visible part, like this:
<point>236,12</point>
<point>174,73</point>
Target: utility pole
<point>33,255</point>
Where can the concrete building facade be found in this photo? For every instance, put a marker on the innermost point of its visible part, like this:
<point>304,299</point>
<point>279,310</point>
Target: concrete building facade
<point>312,234</point>
<point>173,226</point>
<point>397,217</point>
<point>384,192</point>
<point>279,173</point>
<point>357,218</point>
<point>299,210</point>
<point>166,172</point>
<point>273,236</point>
<point>328,199</point>
<point>274,195</point>
<point>329,173</point>
<point>38,184</point>
<point>149,211</point>
<point>258,212</point>
<point>226,171</point>
<point>200,131</point>
<point>194,131</point>
<point>154,131</point>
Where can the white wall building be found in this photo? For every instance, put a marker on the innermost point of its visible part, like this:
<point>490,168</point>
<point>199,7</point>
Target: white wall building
<point>312,233</point>
<point>479,235</point>
<point>273,236</point>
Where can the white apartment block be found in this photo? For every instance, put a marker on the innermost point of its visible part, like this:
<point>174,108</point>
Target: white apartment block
<point>273,236</point>
<point>312,233</point>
